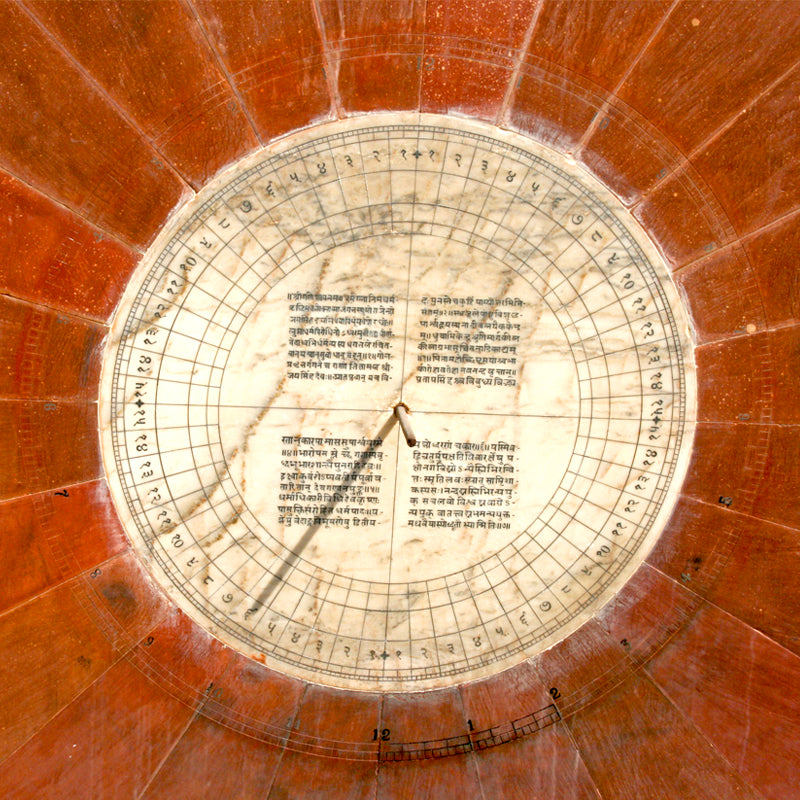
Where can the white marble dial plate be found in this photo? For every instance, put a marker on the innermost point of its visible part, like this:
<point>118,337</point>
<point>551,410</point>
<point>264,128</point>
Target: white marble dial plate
<point>500,293</point>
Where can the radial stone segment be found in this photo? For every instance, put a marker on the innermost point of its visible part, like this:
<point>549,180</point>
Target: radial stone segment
<point>292,314</point>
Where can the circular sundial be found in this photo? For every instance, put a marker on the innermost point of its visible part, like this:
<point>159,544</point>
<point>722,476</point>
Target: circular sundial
<point>458,279</point>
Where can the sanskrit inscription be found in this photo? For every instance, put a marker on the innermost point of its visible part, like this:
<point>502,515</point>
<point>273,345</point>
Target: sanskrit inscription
<point>330,481</point>
<point>335,337</point>
<point>463,485</point>
<point>469,341</point>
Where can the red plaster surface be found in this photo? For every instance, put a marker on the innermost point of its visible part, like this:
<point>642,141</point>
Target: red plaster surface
<point>686,683</point>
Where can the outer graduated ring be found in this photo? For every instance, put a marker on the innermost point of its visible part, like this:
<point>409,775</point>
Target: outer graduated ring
<point>235,249</point>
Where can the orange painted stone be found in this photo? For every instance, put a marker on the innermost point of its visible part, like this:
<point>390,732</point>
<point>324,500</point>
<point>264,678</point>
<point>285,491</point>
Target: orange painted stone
<point>440,778</point>
<point>124,600</point>
<point>627,153</point>
<point>661,754</point>
<point>546,764</point>
<point>50,537</point>
<point>182,658</point>
<point>55,258</point>
<point>773,252</point>
<point>765,185</point>
<point>108,742</point>
<point>377,48</point>
<point>463,79</point>
<point>51,653</point>
<point>300,773</point>
<point>496,702</point>
<point>62,136</point>
<point>254,700</point>
<point>600,40</point>
<point>706,63</point>
<point>583,667</point>
<point>753,586</point>
<point>697,544</point>
<point>647,612</point>
<point>336,723</point>
<point>724,294</point>
<point>738,379</point>
<point>274,56</point>
<point>735,686</point>
<point>48,355</point>
<point>364,82</point>
<point>728,464</point>
<point>552,106</point>
<point>460,72</point>
<point>680,215</point>
<point>417,718</point>
<point>504,23</point>
<point>776,499</point>
<point>135,52</point>
<point>47,445</point>
<point>751,378</point>
<point>194,767</point>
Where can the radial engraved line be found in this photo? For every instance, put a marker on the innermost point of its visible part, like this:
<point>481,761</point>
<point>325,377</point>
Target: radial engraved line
<point>478,616</point>
<point>337,631</point>
<point>500,603</point>
<point>346,211</point>
<point>399,438</point>
<point>451,605</point>
<point>313,626</point>
<point>590,311</point>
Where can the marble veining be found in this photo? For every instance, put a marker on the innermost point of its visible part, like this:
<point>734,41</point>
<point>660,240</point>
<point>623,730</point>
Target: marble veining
<point>249,387</point>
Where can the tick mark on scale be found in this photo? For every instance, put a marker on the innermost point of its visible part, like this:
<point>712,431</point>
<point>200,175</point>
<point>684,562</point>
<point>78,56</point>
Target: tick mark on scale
<point>262,478</point>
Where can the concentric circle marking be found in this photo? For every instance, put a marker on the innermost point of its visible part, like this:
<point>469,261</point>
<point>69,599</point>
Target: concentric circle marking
<point>254,366</point>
